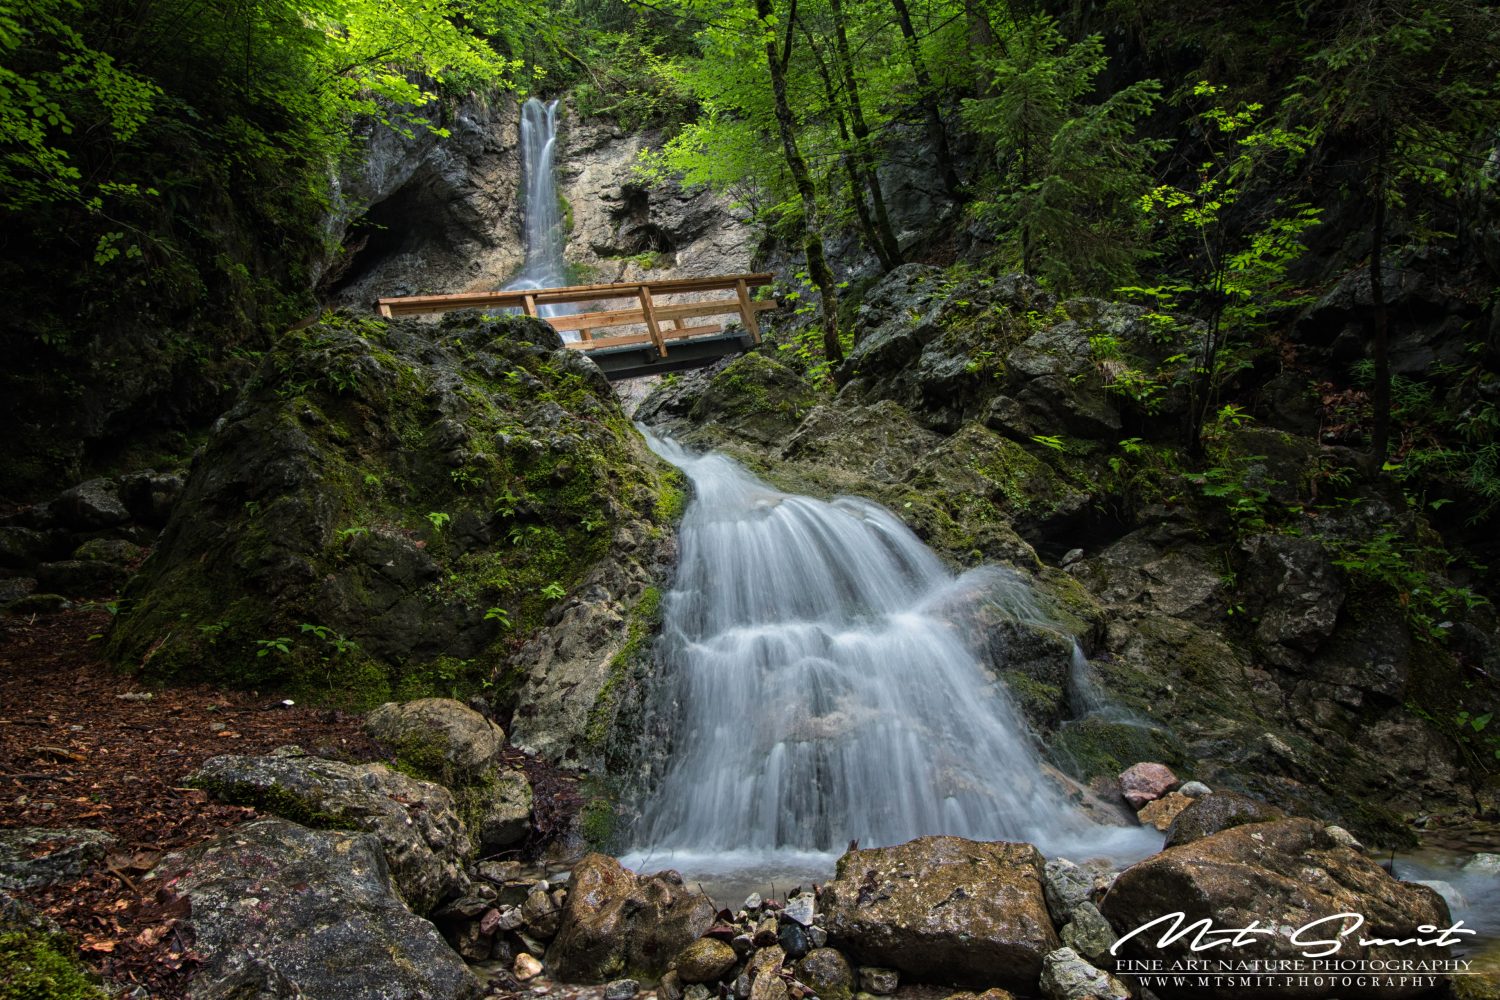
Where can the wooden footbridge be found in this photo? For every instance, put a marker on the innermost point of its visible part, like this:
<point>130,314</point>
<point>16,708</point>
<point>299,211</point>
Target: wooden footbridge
<point>666,344</point>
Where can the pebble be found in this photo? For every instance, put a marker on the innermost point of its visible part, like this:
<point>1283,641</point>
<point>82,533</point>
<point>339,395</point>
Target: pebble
<point>881,982</point>
<point>526,968</point>
<point>818,936</point>
<point>794,941</point>
<point>1344,838</point>
<point>1195,789</point>
<point>752,902</point>
<point>621,989</point>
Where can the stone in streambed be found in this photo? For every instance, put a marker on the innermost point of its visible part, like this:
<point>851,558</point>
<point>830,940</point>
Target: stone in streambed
<point>705,961</point>
<point>1210,814</point>
<point>1089,934</point>
<point>944,908</point>
<point>621,989</point>
<point>526,968</point>
<point>793,941</point>
<point>617,922</point>
<point>828,973</point>
<point>1161,812</point>
<point>1066,976</point>
<point>881,982</point>
<point>1145,782</point>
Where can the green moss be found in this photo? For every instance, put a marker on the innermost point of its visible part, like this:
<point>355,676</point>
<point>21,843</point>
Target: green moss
<point>1090,748</point>
<point>276,801</point>
<point>42,967</point>
<point>598,823</point>
<point>645,622</point>
<point>1040,702</point>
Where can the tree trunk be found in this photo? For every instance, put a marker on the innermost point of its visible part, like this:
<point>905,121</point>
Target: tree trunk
<point>1380,399</point>
<point>851,171</point>
<point>891,248</point>
<point>936,134</point>
<point>817,263</point>
<point>981,40</point>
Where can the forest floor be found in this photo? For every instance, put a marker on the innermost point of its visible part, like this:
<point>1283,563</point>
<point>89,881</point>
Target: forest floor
<point>84,746</point>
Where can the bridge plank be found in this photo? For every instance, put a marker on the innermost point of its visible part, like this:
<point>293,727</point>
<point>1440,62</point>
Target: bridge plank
<point>627,339</point>
<point>652,326</point>
<point>676,310</point>
<point>404,305</point>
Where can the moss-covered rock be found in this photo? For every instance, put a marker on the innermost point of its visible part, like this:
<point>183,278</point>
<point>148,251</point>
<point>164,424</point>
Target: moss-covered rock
<point>393,509</point>
<point>41,966</point>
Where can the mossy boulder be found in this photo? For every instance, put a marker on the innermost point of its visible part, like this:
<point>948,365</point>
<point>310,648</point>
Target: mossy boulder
<point>416,822</point>
<point>444,741</point>
<point>393,509</point>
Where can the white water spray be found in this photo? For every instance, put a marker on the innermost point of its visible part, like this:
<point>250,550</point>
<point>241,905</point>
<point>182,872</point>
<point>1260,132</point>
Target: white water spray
<point>541,212</point>
<point>817,694</point>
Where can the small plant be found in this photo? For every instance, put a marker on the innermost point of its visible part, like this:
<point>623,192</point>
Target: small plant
<point>281,644</point>
<point>212,631</point>
<point>346,534</point>
<point>498,615</point>
<point>339,643</point>
<point>439,520</point>
<point>464,478</point>
<point>1050,441</point>
<point>371,480</point>
<point>553,591</point>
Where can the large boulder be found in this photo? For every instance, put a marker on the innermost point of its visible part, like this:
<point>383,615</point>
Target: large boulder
<point>1295,590</point>
<point>619,924</point>
<point>1283,874</point>
<point>943,909</point>
<point>415,822</point>
<point>447,742</point>
<point>282,912</point>
<point>404,505</point>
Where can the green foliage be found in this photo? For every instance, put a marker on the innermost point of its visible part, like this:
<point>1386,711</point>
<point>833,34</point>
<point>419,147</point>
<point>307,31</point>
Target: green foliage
<point>1069,169</point>
<point>1411,570</point>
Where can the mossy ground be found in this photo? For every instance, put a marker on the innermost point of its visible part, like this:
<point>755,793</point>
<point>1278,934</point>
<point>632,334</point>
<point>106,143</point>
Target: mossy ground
<point>37,966</point>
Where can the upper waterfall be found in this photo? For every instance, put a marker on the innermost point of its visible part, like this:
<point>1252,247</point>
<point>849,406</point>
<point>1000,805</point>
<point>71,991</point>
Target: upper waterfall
<point>541,211</point>
<point>817,694</point>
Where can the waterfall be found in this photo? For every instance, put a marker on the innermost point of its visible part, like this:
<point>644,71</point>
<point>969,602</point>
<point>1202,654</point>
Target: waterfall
<point>543,267</point>
<point>816,693</point>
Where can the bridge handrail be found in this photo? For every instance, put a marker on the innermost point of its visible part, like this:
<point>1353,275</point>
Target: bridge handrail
<point>648,312</point>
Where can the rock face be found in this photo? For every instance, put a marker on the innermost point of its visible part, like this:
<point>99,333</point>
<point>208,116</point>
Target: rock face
<point>453,745</point>
<point>617,923</point>
<point>385,499</point>
<point>415,822</point>
<point>283,912</point>
<point>943,909</point>
<point>1285,874</point>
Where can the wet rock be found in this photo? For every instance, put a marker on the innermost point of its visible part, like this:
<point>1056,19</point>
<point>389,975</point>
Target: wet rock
<point>828,973</point>
<point>1066,976</point>
<point>109,550</point>
<point>526,967</point>
<point>799,908</point>
<point>752,902</point>
<point>1211,813</point>
<point>880,440</point>
<point>1483,864</point>
<point>14,588</point>
<point>416,822</point>
<point>994,993</point>
<point>1285,873</point>
<point>542,914</point>
<point>440,735</point>
<point>767,931</point>
<point>92,505</point>
<point>617,922</point>
<point>1089,934</point>
<point>705,961</point>
<point>793,941</point>
<point>1339,836</point>
<point>879,981</point>
<point>1067,886</point>
<point>943,907</point>
<point>670,987</point>
<point>1142,783</point>
<point>1161,812</point>
<point>325,920</point>
<point>35,856</point>
<point>38,604</point>
<point>1449,892</point>
<point>621,989</point>
<point>1164,567</point>
<point>1195,789</point>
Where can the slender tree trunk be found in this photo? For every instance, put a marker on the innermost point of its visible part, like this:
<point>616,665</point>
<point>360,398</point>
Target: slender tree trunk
<point>892,249</point>
<point>1380,432</point>
<point>981,40</point>
<point>817,262</point>
<point>851,171</point>
<point>936,133</point>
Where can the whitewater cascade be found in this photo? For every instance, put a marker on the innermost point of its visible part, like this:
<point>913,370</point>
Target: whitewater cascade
<point>817,694</point>
<point>540,211</point>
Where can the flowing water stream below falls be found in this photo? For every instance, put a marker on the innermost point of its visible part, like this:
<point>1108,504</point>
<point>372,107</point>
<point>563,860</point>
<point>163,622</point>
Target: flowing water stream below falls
<point>817,693</point>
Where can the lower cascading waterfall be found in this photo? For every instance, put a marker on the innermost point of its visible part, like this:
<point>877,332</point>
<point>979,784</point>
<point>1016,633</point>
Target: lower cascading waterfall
<point>817,694</point>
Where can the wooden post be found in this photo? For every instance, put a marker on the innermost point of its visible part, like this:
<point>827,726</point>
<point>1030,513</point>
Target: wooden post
<point>528,303</point>
<point>585,334</point>
<point>644,294</point>
<point>747,315</point>
<point>385,310</point>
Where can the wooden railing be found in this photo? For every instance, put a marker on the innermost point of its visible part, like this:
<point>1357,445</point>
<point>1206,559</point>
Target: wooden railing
<point>646,311</point>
